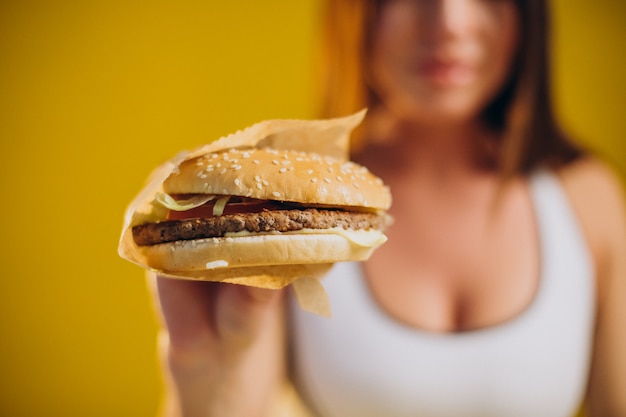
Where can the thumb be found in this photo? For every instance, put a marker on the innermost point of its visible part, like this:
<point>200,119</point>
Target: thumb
<point>243,312</point>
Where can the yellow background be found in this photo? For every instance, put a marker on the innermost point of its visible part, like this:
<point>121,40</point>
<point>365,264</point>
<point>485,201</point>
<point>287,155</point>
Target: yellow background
<point>94,94</point>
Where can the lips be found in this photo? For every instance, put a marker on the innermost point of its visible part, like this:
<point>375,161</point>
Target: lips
<point>446,73</point>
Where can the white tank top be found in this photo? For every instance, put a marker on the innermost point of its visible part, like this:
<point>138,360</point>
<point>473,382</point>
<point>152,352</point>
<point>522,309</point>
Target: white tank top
<point>363,363</point>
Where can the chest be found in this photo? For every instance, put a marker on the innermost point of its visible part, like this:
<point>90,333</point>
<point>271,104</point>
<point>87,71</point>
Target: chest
<point>458,264</point>
<point>363,362</point>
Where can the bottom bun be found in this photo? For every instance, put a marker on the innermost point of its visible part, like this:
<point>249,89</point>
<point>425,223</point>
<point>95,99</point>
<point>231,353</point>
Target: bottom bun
<point>214,254</point>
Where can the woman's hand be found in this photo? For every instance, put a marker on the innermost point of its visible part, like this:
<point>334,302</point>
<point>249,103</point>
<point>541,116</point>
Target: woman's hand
<point>221,345</point>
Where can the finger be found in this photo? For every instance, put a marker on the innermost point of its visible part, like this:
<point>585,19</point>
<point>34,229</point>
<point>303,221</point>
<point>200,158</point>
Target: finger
<point>186,307</point>
<point>243,312</point>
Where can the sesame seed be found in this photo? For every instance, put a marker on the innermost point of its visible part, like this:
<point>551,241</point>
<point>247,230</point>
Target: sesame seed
<point>356,185</point>
<point>245,155</point>
<point>275,162</point>
<point>259,185</point>
<point>276,194</point>
<point>257,178</point>
<point>339,178</point>
<point>282,170</point>
<point>256,161</point>
<point>327,180</point>
<point>330,169</point>
<point>266,182</point>
<point>237,182</point>
<point>314,180</point>
<point>203,176</point>
<point>286,162</point>
<point>223,171</point>
<point>236,167</point>
<point>309,171</point>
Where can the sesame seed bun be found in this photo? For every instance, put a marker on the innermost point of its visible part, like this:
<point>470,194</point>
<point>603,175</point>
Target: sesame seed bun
<point>283,175</point>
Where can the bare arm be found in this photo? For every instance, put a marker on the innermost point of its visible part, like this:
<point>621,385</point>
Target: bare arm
<point>221,347</point>
<point>598,199</point>
<point>607,396</point>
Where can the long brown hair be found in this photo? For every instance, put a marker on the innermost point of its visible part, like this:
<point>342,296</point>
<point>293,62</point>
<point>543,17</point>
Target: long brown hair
<point>521,114</point>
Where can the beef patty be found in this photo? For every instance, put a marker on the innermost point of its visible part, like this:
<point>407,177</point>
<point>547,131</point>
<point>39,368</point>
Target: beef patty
<point>265,221</point>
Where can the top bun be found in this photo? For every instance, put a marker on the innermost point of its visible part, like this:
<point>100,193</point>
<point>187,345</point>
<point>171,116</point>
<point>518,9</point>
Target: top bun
<point>284,175</point>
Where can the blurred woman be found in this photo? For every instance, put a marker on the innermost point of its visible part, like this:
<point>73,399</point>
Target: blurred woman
<point>502,288</point>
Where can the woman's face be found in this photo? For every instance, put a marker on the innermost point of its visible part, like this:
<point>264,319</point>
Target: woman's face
<point>442,61</point>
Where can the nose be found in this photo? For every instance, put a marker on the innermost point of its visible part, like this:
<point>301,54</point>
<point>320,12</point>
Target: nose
<point>451,18</point>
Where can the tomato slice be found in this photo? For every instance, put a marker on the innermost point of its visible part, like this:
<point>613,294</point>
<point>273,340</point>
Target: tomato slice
<point>206,210</point>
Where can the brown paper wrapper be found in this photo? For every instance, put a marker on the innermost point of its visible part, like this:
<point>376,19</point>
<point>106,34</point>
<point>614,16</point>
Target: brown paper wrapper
<point>327,137</point>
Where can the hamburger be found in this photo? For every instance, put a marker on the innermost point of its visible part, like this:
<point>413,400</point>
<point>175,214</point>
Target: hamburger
<point>272,205</point>
<point>262,208</point>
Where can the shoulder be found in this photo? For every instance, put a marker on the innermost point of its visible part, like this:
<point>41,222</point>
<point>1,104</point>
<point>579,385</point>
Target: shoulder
<point>596,194</point>
<point>595,191</point>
